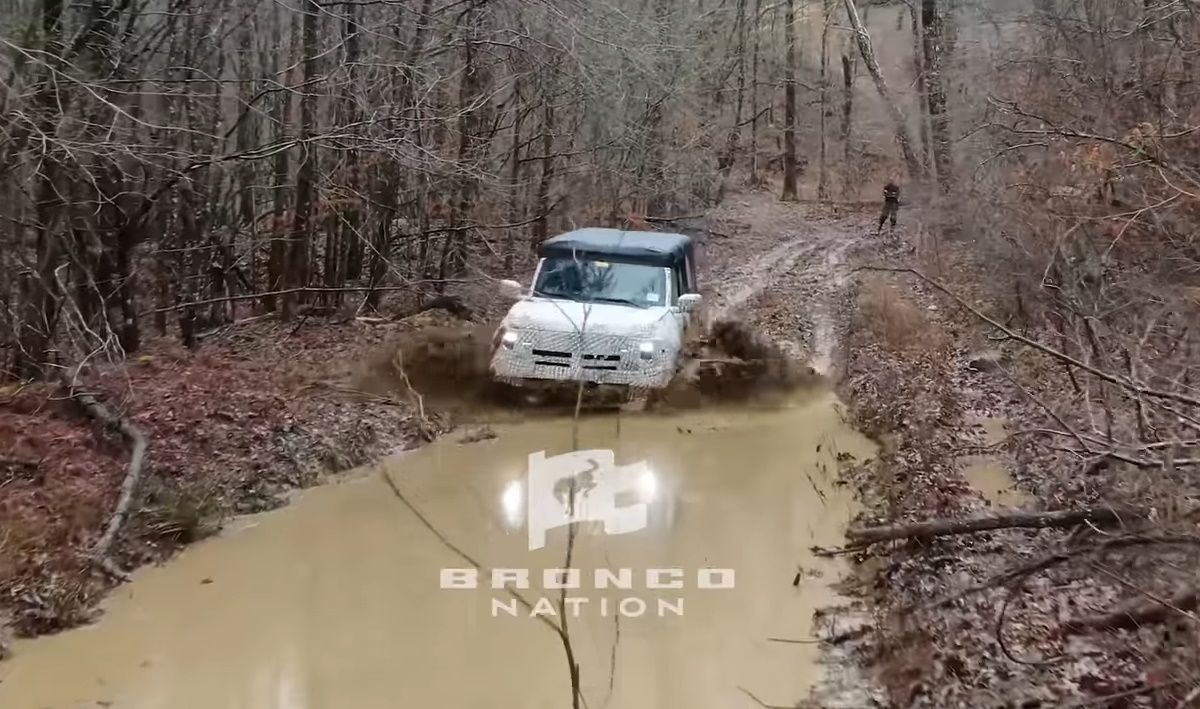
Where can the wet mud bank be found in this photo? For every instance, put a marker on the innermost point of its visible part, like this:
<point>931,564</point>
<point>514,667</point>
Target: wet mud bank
<point>807,308</point>
<point>942,441</point>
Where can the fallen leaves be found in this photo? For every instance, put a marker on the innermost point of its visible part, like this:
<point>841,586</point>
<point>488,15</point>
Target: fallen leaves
<point>231,428</point>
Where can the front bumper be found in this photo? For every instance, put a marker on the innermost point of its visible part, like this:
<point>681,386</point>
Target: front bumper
<point>587,357</point>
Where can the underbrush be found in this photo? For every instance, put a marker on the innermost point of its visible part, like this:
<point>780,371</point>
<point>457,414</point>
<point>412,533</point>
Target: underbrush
<point>900,382</point>
<point>1089,616</point>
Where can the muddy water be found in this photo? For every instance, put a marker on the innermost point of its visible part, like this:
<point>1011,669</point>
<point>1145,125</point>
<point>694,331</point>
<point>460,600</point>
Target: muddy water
<point>986,473</point>
<point>993,481</point>
<point>335,601</point>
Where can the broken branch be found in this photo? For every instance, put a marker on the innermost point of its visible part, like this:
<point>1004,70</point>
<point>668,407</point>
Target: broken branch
<point>862,536</point>
<point>1133,615</point>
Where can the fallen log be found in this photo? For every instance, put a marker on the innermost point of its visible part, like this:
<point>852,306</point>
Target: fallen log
<point>862,536</point>
<point>138,442</point>
<point>1133,615</point>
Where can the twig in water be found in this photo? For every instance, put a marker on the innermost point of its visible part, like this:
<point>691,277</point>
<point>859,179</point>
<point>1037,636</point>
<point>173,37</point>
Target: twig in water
<point>758,701</point>
<point>459,552</point>
<point>424,427</point>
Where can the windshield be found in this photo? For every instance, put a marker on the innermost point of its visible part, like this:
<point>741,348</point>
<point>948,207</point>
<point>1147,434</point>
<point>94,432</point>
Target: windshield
<point>602,281</point>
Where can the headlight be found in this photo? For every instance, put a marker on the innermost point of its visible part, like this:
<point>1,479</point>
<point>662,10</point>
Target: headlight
<point>646,350</point>
<point>509,338</point>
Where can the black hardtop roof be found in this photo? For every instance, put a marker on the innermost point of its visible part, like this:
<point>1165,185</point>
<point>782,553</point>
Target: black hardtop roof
<point>652,247</point>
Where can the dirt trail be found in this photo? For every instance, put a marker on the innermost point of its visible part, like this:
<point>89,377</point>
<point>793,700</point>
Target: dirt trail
<point>788,290</point>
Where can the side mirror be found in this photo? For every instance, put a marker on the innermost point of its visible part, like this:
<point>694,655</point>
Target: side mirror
<point>688,302</point>
<point>510,289</point>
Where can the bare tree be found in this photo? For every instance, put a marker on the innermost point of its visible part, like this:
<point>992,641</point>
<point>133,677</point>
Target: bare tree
<point>899,122</point>
<point>262,157</point>
<point>789,104</point>
<point>300,232</point>
<point>931,24</point>
<point>826,20</point>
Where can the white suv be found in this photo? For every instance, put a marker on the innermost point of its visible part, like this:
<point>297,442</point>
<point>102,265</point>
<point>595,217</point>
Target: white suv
<point>606,307</point>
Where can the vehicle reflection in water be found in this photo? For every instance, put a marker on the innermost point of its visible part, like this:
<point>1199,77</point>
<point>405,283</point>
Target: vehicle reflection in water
<point>334,601</point>
<point>512,500</point>
<point>512,505</point>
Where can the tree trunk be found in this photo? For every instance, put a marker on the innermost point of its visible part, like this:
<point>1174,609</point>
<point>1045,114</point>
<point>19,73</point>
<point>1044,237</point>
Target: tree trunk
<point>1016,520</point>
<point>454,256</point>
<point>39,320</point>
<point>789,104</point>
<point>349,261</point>
<point>823,177</point>
<point>514,177</point>
<point>654,188</point>
<point>541,227</point>
<point>848,184</point>
<point>754,96</point>
<point>899,124</point>
<point>281,171</point>
<point>726,160</point>
<point>931,22</point>
<point>926,147</point>
<point>298,238</point>
<point>247,136</point>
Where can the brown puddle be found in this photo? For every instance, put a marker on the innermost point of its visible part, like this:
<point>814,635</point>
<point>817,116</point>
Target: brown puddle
<point>990,478</point>
<point>335,601</point>
<point>986,473</point>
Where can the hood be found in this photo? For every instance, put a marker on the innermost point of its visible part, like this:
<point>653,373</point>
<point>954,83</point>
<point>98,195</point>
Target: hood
<point>602,318</point>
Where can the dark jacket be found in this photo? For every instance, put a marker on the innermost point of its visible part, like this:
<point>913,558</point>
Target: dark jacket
<point>891,193</point>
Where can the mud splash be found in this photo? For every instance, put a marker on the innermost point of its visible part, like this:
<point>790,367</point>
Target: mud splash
<point>335,601</point>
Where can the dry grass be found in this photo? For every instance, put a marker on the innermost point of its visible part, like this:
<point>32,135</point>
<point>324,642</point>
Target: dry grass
<point>896,322</point>
<point>178,512</point>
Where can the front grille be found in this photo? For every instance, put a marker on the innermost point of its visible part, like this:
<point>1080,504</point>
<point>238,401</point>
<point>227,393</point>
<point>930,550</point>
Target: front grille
<point>599,357</point>
<point>601,352</point>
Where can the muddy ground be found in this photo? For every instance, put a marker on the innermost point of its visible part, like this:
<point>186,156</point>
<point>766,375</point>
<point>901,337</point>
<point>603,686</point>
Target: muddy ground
<point>263,408</point>
<point>261,411</point>
<point>998,619</point>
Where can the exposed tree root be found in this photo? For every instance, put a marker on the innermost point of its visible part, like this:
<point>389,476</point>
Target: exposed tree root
<point>138,442</point>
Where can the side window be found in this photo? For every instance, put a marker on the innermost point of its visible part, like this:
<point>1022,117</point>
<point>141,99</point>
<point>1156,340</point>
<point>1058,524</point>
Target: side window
<point>678,286</point>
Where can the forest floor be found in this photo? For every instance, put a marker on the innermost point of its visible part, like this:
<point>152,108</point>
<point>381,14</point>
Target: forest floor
<point>1012,617</point>
<point>264,408</point>
<point>1006,618</point>
<point>257,411</point>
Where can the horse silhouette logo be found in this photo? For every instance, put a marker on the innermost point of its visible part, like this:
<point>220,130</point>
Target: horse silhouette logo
<point>583,486</point>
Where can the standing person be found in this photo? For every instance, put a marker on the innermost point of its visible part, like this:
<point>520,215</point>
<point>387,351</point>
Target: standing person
<point>891,204</point>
